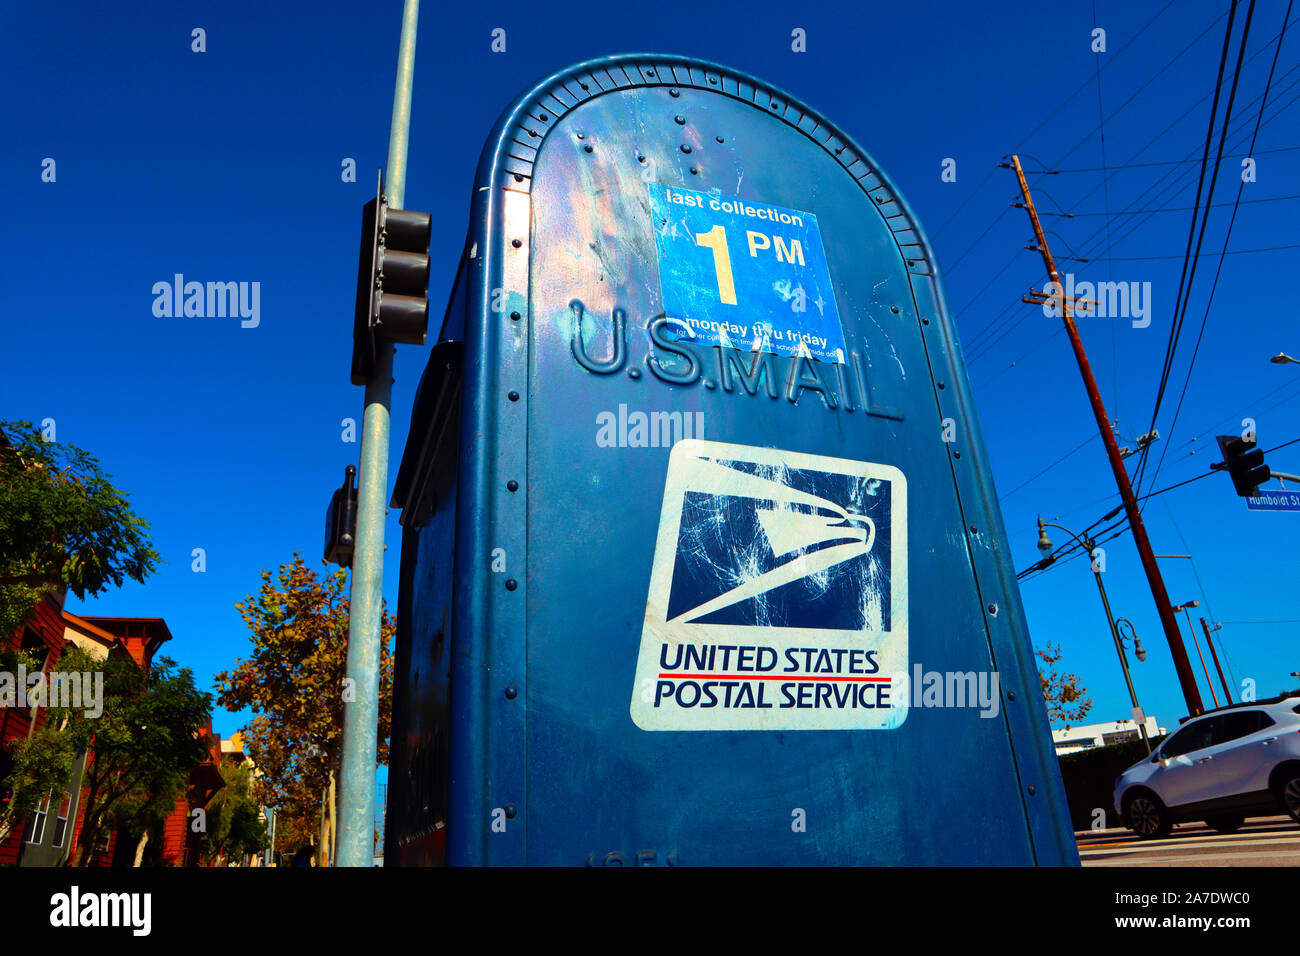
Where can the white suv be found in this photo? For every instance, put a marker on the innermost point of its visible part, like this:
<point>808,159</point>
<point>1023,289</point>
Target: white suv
<point>1224,766</point>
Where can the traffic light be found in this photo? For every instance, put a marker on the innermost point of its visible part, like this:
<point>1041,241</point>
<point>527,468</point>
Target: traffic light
<point>341,522</point>
<point>392,282</point>
<point>1245,463</point>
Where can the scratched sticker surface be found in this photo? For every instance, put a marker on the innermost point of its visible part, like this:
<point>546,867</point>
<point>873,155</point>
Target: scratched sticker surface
<point>778,594</point>
<point>744,274</point>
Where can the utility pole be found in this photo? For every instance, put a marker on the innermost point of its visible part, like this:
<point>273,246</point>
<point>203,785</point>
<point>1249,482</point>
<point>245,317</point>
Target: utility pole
<point>1197,644</point>
<point>1167,619</point>
<point>361,705</point>
<point>1206,628</point>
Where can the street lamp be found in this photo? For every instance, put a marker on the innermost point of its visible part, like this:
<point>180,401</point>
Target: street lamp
<point>1045,546</point>
<point>1191,627</point>
<point>1281,358</point>
<point>1139,651</point>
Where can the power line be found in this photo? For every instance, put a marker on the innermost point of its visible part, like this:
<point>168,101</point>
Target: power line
<point>1178,119</point>
<point>1068,551</point>
<point>1002,325</point>
<point>1231,222</point>
<point>1171,162</point>
<point>1081,87</point>
<point>992,333</point>
<point>1051,116</point>
<point>1159,209</point>
<point>1188,261</point>
<point>1232,252</point>
<point>1078,448</point>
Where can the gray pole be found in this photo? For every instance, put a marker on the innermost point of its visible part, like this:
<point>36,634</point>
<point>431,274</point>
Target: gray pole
<point>1119,646</point>
<point>361,713</point>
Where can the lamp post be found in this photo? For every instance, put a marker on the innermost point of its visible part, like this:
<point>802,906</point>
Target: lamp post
<point>1140,653</point>
<point>1281,358</point>
<point>1045,546</point>
<point>1185,608</point>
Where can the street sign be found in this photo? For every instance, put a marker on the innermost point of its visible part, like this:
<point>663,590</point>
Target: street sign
<point>1271,500</point>
<point>702,561</point>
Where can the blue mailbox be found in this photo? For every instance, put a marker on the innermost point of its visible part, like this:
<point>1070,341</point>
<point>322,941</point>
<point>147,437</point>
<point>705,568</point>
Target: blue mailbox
<point>701,556</point>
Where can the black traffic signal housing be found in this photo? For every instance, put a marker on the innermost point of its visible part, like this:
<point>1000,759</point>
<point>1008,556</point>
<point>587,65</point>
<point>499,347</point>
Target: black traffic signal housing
<point>392,282</point>
<point>1244,463</point>
<point>341,522</point>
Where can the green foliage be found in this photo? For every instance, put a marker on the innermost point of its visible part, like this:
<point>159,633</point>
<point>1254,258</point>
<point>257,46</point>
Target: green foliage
<point>234,826</point>
<point>147,735</point>
<point>43,761</point>
<point>147,807</point>
<point>62,525</point>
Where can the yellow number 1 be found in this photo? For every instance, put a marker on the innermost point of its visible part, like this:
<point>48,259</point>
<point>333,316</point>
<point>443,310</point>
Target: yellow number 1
<point>716,239</point>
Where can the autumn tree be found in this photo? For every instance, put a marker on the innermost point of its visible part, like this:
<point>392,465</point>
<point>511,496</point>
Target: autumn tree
<point>62,525</point>
<point>293,682</point>
<point>1062,691</point>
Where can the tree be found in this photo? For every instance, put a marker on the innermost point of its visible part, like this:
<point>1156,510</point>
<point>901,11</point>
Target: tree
<point>142,813</point>
<point>44,761</point>
<point>149,731</point>
<point>293,681</point>
<point>234,826</point>
<point>1062,692</point>
<point>62,525</point>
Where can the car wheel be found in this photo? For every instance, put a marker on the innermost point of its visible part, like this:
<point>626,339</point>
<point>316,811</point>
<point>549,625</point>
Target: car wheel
<point>1288,791</point>
<point>1225,824</point>
<point>1146,816</point>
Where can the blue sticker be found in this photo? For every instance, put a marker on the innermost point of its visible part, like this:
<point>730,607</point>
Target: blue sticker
<point>745,274</point>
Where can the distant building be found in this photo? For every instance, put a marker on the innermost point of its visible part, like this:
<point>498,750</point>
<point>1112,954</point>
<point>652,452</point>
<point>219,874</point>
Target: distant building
<point>1075,739</point>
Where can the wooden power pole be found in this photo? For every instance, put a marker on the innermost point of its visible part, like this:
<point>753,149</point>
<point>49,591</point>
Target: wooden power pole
<point>1172,632</point>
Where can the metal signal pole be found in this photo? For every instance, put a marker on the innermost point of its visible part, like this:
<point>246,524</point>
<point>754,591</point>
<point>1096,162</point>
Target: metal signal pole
<point>1173,634</point>
<point>356,836</point>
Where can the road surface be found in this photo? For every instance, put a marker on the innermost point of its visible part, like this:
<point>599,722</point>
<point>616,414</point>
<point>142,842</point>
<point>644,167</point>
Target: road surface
<point>1265,841</point>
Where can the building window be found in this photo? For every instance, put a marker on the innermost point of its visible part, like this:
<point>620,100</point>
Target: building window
<point>61,824</point>
<point>35,828</point>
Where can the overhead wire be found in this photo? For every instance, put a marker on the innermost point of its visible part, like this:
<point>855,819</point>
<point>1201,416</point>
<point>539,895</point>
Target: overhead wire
<point>1223,253</point>
<point>993,332</point>
<point>1052,115</point>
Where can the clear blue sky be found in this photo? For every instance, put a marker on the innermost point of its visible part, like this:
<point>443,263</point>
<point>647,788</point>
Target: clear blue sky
<point>225,165</point>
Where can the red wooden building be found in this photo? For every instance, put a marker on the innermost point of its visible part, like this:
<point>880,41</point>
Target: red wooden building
<point>50,835</point>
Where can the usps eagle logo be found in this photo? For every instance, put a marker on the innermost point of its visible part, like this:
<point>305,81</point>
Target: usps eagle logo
<point>763,544</point>
<point>787,560</point>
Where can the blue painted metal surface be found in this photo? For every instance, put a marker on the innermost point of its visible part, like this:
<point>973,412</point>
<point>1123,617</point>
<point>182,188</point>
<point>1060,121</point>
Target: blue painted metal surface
<point>534,502</point>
